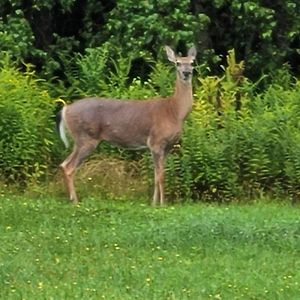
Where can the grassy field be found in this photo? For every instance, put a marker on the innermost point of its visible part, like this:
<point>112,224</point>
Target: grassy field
<point>105,249</point>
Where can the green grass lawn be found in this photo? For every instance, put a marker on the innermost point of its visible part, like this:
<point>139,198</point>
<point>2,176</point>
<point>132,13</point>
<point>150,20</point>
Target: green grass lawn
<point>105,249</point>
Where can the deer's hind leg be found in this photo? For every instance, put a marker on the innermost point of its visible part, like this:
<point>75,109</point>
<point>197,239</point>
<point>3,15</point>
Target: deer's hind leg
<point>72,162</point>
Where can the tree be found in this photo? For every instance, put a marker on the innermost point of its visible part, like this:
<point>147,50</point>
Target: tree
<point>47,33</point>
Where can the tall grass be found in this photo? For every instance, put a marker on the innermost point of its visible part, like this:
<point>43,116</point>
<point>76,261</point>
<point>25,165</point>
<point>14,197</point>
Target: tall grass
<point>105,249</point>
<point>26,132</point>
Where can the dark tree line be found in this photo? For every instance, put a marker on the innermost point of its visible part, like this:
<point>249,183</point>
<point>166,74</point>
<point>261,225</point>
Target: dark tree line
<point>264,33</point>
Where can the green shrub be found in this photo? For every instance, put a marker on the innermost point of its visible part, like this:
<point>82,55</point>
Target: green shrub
<point>97,73</point>
<point>237,143</point>
<point>26,135</point>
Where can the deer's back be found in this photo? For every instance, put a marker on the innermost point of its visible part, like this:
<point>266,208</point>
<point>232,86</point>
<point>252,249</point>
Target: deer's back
<point>126,123</point>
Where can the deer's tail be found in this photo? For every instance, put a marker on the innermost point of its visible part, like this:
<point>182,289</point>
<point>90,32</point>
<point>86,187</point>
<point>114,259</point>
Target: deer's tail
<point>61,126</point>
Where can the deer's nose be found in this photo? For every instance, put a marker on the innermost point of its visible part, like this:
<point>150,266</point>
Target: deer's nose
<point>186,74</point>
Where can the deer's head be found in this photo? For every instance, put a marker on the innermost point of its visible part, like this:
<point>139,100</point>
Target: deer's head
<point>184,65</point>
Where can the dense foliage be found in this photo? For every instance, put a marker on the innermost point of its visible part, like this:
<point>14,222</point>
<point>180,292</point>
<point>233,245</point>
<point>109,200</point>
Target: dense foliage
<point>237,142</point>
<point>242,137</point>
<point>48,33</point>
<point>26,133</point>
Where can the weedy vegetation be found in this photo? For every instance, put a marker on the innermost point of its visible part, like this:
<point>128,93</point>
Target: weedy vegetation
<point>241,140</point>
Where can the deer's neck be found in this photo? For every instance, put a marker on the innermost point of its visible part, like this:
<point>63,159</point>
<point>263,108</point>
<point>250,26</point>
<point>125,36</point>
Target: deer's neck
<point>183,98</point>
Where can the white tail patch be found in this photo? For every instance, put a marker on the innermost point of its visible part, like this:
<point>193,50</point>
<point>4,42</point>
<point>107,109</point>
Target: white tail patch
<point>62,129</point>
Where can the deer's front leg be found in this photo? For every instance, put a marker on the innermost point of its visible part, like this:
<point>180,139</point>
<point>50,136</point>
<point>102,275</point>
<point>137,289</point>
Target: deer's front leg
<point>158,159</point>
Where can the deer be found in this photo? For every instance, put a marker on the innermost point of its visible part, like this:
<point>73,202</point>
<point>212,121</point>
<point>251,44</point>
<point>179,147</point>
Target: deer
<point>155,124</point>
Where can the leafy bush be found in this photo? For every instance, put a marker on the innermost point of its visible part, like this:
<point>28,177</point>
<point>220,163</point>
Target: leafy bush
<point>16,35</point>
<point>150,24</point>
<point>46,33</point>
<point>97,73</point>
<point>238,143</point>
<point>25,125</point>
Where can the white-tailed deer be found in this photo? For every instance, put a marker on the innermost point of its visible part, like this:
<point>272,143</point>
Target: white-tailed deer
<point>154,123</point>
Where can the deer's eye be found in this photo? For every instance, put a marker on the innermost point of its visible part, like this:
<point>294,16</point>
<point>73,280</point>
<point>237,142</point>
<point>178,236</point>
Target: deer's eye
<point>178,63</point>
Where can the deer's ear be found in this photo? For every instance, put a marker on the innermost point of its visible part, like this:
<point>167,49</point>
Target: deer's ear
<point>192,52</point>
<point>171,55</point>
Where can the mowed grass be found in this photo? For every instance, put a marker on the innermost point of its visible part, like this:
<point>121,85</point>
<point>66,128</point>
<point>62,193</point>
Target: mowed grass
<point>105,249</point>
